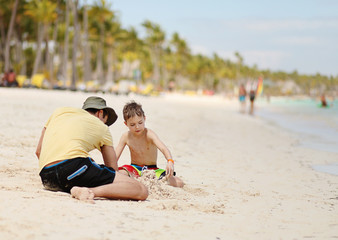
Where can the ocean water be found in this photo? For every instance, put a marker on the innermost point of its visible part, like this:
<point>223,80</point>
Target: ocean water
<point>316,127</point>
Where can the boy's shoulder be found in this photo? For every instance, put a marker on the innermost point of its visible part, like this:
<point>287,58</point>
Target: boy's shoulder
<point>148,133</point>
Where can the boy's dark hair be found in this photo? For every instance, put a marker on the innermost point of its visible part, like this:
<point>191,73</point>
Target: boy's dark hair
<point>94,110</point>
<point>132,109</point>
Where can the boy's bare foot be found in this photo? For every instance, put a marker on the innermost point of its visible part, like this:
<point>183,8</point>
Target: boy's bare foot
<point>83,194</point>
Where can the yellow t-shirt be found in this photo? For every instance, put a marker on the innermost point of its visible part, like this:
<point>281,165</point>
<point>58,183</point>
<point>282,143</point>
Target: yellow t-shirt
<point>71,133</point>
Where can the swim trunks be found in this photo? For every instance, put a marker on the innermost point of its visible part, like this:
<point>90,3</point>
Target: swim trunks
<point>137,170</point>
<point>81,172</point>
<point>252,96</point>
<point>242,98</point>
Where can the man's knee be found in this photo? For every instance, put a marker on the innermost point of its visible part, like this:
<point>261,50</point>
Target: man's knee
<point>142,191</point>
<point>138,190</point>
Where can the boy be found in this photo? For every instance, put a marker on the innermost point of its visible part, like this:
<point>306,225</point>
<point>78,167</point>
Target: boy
<point>143,144</point>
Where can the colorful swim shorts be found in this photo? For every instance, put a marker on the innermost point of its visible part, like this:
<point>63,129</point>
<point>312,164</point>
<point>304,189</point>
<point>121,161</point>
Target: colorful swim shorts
<point>137,170</point>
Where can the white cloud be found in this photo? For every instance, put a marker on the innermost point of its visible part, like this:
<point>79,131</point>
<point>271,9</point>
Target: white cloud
<point>228,55</point>
<point>198,49</point>
<point>286,45</point>
<point>272,60</point>
<point>265,59</point>
<point>297,40</point>
<point>263,25</point>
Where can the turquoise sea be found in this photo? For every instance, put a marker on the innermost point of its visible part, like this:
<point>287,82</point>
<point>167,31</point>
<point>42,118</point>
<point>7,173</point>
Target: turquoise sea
<point>316,127</point>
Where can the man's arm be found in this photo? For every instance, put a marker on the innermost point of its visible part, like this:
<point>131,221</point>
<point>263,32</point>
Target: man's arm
<point>38,148</point>
<point>109,156</point>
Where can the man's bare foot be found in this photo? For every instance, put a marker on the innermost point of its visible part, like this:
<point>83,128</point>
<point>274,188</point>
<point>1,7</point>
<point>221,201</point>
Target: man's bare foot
<point>83,194</point>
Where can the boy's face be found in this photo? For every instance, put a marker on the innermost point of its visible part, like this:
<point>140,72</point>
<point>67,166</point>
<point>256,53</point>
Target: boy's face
<point>136,124</point>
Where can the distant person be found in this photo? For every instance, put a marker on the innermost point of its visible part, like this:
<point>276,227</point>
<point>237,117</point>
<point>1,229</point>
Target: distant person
<point>2,80</point>
<point>10,79</point>
<point>252,95</point>
<point>171,86</point>
<point>143,144</point>
<point>64,161</point>
<point>332,100</point>
<point>323,101</point>
<point>242,95</point>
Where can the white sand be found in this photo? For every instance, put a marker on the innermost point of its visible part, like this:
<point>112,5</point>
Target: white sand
<point>244,179</point>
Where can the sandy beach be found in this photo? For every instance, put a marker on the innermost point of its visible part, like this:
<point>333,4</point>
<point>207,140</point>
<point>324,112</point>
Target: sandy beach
<point>245,178</point>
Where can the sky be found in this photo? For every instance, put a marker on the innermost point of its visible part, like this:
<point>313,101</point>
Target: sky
<point>286,35</point>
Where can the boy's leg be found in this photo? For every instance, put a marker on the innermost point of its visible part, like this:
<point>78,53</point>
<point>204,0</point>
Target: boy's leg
<point>124,172</point>
<point>123,187</point>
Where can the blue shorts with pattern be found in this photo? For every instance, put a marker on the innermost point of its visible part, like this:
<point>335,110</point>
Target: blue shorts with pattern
<point>81,172</point>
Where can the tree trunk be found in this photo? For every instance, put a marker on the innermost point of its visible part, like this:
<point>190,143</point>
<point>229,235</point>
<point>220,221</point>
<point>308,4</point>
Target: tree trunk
<point>156,74</point>
<point>20,56</point>
<point>86,58</point>
<point>23,69</point>
<point>99,67</point>
<point>9,35</point>
<point>110,62</point>
<point>66,48</point>
<point>41,33</point>
<point>47,53</point>
<point>75,41</point>
<point>51,55</point>
<point>2,40</point>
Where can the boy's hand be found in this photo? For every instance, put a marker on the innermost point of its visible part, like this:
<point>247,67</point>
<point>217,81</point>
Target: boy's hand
<point>170,169</point>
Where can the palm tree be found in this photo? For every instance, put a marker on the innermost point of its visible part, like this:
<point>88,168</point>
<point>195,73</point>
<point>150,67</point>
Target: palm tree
<point>239,64</point>
<point>43,12</point>
<point>75,43</point>
<point>54,39</point>
<point>155,39</point>
<point>181,55</point>
<point>113,36</point>
<point>25,35</point>
<point>100,15</point>
<point>66,46</point>
<point>130,50</point>
<point>9,35</point>
<point>86,46</point>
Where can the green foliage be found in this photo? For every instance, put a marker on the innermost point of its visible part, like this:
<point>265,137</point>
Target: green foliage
<point>161,59</point>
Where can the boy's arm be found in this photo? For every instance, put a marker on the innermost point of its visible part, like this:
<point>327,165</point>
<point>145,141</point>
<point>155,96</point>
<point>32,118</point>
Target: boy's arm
<point>121,145</point>
<point>163,148</point>
<point>109,156</point>
<point>38,148</point>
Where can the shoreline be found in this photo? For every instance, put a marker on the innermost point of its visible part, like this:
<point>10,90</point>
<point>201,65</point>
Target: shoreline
<point>316,128</point>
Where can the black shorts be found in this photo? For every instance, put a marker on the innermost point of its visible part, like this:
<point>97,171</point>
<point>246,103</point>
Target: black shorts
<point>81,172</point>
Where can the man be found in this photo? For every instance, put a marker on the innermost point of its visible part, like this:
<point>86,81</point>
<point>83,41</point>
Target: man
<point>10,79</point>
<point>64,161</point>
